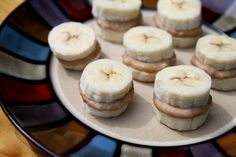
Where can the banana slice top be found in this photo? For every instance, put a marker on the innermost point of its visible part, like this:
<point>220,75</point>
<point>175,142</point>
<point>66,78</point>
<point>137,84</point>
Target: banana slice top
<point>183,80</point>
<point>106,79</point>
<point>218,51</point>
<point>180,14</point>
<point>180,9</point>
<point>72,40</point>
<point>146,43</point>
<point>121,10</point>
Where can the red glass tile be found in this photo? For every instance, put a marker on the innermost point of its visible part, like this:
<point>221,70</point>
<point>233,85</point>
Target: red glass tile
<point>171,152</point>
<point>20,92</point>
<point>77,9</point>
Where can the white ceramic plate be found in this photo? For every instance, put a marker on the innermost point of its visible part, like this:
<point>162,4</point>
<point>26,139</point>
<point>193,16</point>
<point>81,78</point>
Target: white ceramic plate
<point>139,124</point>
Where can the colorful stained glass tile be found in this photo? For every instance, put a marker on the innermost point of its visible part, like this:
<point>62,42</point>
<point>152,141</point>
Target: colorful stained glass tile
<point>228,143</point>
<point>24,92</point>
<point>63,138</point>
<point>22,46</point>
<point>134,151</point>
<point>49,12</point>
<point>170,152</point>
<point>233,34</point>
<point>217,6</point>
<point>21,69</point>
<point>227,21</point>
<point>150,4</point>
<point>29,22</point>
<point>99,146</point>
<point>38,115</point>
<point>205,149</point>
<point>77,9</point>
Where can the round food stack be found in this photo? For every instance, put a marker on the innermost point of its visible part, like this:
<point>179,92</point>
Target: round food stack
<point>147,51</point>
<point>74,44</point>
<point>182,19</point>
<point>106,88</point>
<point>216,54</point>
<point>115,17</point>
<point>181,96</point>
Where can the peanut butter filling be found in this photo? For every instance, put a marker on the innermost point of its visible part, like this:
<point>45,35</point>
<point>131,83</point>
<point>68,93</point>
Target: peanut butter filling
<point>119,25</point>
<point>214,73</point>
<point>148,67</point>
<point>85,60</point>
<point>116,105</point>
<point>179,33</point>
<point>180,112</point>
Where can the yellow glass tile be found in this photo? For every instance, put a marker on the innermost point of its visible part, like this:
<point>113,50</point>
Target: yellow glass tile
<point>63,138</point>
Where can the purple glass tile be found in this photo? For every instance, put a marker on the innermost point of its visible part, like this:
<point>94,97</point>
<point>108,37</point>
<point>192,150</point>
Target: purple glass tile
<point>205,149</point>
<point>49,11</point>
<point>217,6</point>
<point>38,115</point>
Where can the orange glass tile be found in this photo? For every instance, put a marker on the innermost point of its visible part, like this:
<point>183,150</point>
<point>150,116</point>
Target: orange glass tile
<point>228,143</point>
<point>30,23</point>
<point>63,138</point>
<point>149,4</point>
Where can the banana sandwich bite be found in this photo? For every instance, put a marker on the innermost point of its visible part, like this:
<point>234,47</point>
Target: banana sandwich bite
<point>115,17</point>
<point>182,19</point>
<point>147,51</point>
<point>216,54</point>
<point>181,96</point>
<point>74,45</point>
<point>106,88</point>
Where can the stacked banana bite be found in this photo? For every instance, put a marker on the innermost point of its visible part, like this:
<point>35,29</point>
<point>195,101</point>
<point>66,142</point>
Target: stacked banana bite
<point>106,88</point>
<point>74,44</point>
<point>182,19</point>
<point>115,17</point>
<point>216,54</point>
<point>181,96</point>
<point>147,51</point>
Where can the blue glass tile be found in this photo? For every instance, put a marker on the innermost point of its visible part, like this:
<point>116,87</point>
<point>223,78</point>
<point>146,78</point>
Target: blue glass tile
<point>233,34</point>
<point>22,46</point>
<point>99,146</point>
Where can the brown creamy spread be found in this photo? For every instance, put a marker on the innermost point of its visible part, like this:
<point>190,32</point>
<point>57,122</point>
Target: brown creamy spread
<point>148,67</point>
<point>85,60</point>
<point>214,73</point>
<point>119,25</point>
<point>116,105</point>
<point>180,112</point>
<point>179,33</point>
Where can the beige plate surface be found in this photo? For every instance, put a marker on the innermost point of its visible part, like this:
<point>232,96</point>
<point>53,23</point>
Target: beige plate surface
<point>138,124</point>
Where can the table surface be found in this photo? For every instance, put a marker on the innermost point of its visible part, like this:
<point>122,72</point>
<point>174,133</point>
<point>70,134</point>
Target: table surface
<point>13,143</point>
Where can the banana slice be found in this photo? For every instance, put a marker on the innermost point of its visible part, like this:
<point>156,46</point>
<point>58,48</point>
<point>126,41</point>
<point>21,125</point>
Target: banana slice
<point>185,42</point>
<point>105,81</point>
<point>109,34</point>
<point>143,76</point>
<point>148,44</point>
<point>72,41</point>
<point>182,86</point>
<point>181,124</point>
<point>116,10</point>
<point>224,84</point>
<point>217,51</point>
<point>180,14</point>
